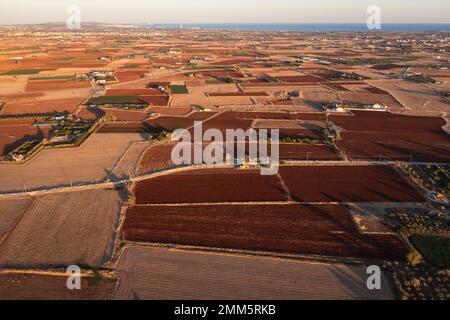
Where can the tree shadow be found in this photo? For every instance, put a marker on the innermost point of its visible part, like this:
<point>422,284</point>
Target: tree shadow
<point>14,145</point>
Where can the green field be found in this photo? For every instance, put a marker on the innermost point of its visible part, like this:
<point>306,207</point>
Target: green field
<point>53,78</point>
<point>435,249</point>
<point>207,68</point>
<point>114,100</point>
<point>178,89</point>
<point>130,66</point>
<point>23,72</point>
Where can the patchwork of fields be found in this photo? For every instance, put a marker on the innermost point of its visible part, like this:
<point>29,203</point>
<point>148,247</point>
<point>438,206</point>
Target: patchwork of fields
<point>87,178</point>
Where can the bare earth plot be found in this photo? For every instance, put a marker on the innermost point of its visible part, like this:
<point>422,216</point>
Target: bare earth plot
<point>149,273</point>
<point>325,230</point>
<point>210,185</point>
<point>63,229</point>
<point>92,162</point>
<point>348,184</point>
<point>156,158</point>
<point>45,287</point>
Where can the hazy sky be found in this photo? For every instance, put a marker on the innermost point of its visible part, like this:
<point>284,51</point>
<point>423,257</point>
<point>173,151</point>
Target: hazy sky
<point>183,11</point>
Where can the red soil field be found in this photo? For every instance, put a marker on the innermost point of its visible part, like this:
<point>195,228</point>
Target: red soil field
<point>26,286</point>
<point>319,116</point>
<point>210,185</point>
<point>299,229</point>
<point>239,94</point>
<point>301,134</point>
<point>376,90</point>
<point>219,73</point>
<point>388,122</point>
<point>156,158</point>
<point>48,85</point>
<point>232,62</point>
<point>159,101</point>
<point>166,111</point>
<point>398,146</point>
<point>306,152</point>
<point>336,87</point>
<point>172,123</point>
<point>382,135</point>
<point>127,115</point>
<point>24,95</point>
<point>14,133</point>
<point>122,127</point>
<point>132,92</point>
<point>300,79</point>
<point>89,113</point>
<point>348,184</point>
<point>227,120</point>
<point>41,106</point>
<point>129,76</point>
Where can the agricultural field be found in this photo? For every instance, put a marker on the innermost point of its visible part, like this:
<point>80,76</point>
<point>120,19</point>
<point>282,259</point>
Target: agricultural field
<point>172,123</point>
<point>156,158</point>
<point>208,186</point>
<point>13,133</point>
<point>348,184</point>
<point>16,286</point>
<point>34,106</point>
<point>12,210</point>
<point>92,162</point>
<point>127,166</point>
<point>60,229</point>
<point>87,178</point>
<point>299,229</point>
<point>301,152</point>
<point>435,249</point>
<point>153,273</point>
<point>36,85</point>
<point>386,136</point>
<point>419,98</point>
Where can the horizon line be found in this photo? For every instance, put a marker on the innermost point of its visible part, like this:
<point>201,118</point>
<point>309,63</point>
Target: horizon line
<point>290,22</point>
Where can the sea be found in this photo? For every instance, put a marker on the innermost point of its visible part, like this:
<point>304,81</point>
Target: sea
<point>310,27</point>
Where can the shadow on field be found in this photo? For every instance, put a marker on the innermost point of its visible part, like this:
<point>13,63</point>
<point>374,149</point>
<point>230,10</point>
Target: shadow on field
<point>12,146</point>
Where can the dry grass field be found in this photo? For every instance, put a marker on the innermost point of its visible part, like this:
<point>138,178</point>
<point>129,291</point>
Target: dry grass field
<point>151,273</point>
<point>92,162</point>
<point>12,85</point>
<point>11,210</point>
<point>62,229</point>
<point>128,164</point>
<point>420,99</point>
<point>26,106</point>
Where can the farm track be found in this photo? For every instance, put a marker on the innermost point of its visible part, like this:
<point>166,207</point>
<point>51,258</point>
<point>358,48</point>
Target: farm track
<point>138,178</point>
